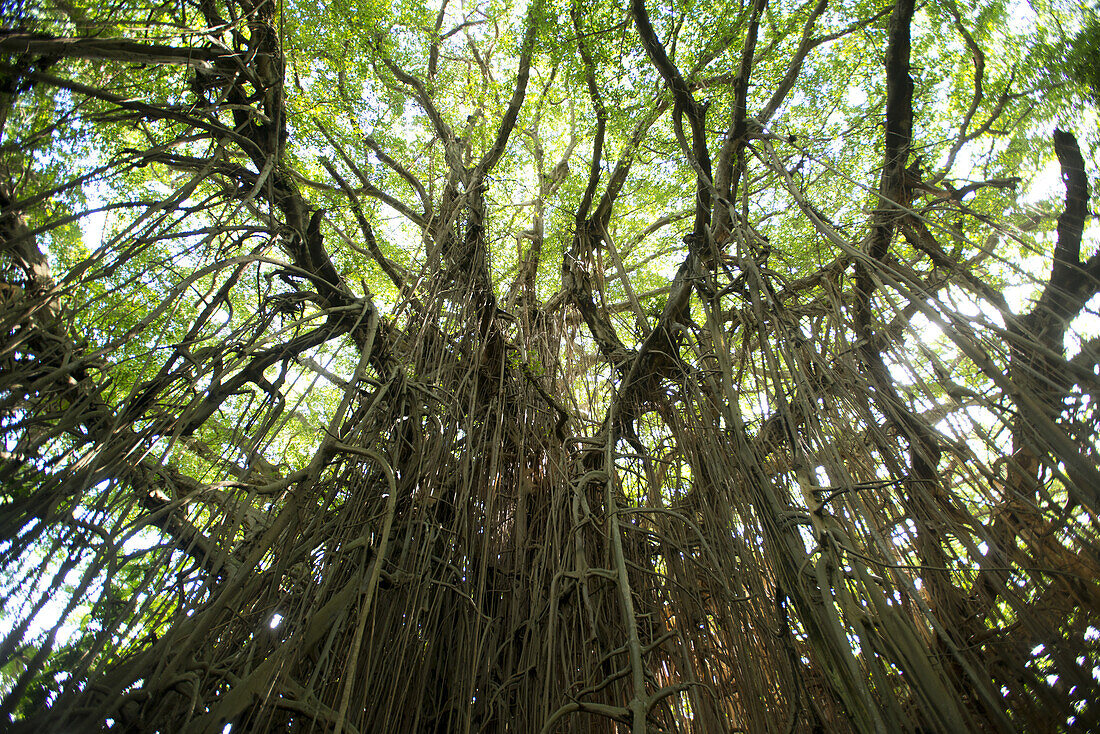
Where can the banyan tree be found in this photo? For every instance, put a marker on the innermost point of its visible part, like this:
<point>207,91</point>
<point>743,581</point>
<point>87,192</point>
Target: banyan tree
<point>549,366</point>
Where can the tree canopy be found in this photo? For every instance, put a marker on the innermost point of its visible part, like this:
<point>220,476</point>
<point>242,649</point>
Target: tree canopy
<point>549,366</point>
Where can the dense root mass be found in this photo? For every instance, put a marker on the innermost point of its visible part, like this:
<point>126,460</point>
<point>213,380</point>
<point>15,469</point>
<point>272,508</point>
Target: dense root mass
<point>390,386</point>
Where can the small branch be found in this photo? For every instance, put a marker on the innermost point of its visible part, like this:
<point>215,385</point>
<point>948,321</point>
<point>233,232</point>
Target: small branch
<point>112,49</point>
<point>509,122</point>
<point>685,104</point>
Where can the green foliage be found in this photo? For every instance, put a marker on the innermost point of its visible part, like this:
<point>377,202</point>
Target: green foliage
<point>295,346</point>
<point>1081,53</point>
